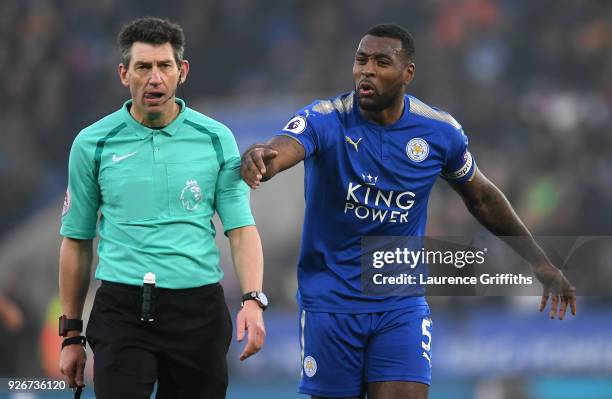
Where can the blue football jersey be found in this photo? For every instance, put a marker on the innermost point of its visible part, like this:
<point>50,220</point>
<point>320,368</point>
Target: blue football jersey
<point>363,179</point>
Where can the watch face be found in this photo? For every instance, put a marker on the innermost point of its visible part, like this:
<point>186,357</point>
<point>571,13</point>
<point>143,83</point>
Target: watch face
<point>263,299</point>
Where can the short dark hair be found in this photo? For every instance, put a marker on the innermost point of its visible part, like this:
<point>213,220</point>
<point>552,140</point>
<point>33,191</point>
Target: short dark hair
<point>397,32</point>
<point>154,31</point>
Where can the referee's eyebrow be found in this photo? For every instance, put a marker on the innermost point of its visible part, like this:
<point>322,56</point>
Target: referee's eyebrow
<point>148,64</point>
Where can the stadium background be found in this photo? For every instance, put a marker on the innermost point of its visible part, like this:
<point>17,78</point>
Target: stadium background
<point>529,81</point>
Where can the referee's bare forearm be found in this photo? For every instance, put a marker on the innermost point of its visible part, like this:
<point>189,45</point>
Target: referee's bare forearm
<point>75,269</point>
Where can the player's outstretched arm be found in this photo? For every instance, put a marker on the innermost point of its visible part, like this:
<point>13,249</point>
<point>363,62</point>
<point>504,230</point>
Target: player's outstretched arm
<point>260,162</point>
<point>491,208</point>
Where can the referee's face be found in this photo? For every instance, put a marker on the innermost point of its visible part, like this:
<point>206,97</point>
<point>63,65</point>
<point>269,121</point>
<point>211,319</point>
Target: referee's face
<point>152,77</point>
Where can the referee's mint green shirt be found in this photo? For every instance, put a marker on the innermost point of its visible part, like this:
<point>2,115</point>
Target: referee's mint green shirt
<point>157,191</point>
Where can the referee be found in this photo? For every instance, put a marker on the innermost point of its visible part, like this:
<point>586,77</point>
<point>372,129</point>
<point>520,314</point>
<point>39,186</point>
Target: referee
<point>156,171</point>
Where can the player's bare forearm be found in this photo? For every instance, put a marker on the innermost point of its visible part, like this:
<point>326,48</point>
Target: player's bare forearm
<point>74,273</point>
<point>247,256</point>
<point>492,209</point>
<point>290,152</point>
<point>261,162</point>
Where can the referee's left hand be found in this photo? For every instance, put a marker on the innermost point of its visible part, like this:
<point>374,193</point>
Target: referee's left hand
<point>250,320</point>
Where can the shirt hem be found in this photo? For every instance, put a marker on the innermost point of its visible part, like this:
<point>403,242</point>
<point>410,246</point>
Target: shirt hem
<point>138,283</point>
<point>78,235</point>
<point>373,309</point>
<point>237,226</point>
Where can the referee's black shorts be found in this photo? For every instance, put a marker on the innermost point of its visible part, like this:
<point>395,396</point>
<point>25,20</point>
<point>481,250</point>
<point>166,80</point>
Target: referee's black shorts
<point>184,349</point>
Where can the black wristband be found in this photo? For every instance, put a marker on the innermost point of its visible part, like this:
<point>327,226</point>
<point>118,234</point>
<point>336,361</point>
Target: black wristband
<point>79,339</point>
<point>66,324</point>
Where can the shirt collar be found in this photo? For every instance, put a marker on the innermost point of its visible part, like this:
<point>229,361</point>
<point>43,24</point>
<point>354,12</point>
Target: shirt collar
<point>144,131</point>
<point>401,122</point>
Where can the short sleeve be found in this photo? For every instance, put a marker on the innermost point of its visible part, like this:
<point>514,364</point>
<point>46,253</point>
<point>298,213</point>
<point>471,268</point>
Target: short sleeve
<point>231,192</point>
<point>460,164</point>
<point>301,128</point>
<point>80,212</point>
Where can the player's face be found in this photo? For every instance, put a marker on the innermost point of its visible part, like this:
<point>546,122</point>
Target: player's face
<point>380,72</point>
<point>152,77</point>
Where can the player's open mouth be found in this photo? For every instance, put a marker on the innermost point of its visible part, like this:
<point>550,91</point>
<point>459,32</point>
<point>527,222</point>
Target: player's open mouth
<point>366,89</point>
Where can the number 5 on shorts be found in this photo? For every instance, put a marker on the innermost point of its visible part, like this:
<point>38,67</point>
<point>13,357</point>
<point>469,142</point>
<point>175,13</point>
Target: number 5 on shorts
<point>426,343</point>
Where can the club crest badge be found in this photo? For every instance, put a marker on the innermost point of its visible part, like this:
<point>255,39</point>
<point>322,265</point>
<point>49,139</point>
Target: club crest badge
<point>417,149</point>
<point>310,366</point>
<point>191,195</point>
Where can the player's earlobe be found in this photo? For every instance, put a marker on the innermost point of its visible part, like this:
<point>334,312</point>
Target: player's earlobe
<point>409,73</point>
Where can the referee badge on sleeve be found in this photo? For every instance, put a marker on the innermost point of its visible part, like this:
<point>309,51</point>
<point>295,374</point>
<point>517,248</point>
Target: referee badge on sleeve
<point>66,206</point>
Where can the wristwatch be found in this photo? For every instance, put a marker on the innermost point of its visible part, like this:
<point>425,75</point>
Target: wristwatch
<point>257,296</point>
<point>66,324</point>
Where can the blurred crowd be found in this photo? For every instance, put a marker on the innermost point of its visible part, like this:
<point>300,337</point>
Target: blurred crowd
<point>529,81</point>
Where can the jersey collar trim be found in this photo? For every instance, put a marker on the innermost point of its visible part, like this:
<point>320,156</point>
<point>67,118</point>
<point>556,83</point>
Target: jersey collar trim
<point>144,131</point>
<point>401,122</point>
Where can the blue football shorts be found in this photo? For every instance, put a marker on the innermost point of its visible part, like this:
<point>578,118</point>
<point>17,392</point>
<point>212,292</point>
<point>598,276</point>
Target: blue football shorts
<point>342,352</point>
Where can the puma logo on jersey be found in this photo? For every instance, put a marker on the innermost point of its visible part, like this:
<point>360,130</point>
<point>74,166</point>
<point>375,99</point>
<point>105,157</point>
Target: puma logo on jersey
<point>353,143</point>
<point>117,158</point>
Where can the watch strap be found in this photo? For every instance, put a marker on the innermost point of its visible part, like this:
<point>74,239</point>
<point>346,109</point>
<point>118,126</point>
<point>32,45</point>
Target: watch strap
<point>66,324</point>
<point>254,296</point>
<point>79,339</point>
<point>250,295</point>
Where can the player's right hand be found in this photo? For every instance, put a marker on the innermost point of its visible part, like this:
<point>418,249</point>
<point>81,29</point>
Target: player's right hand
<point>557,286</point>
<point>72,365</point>
<point>254,165</point>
